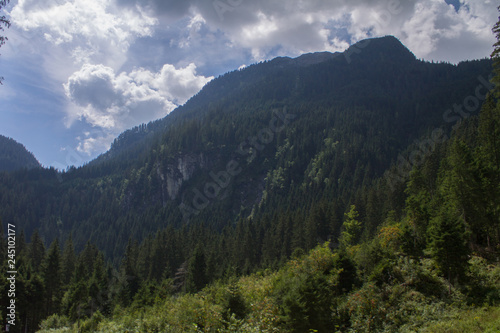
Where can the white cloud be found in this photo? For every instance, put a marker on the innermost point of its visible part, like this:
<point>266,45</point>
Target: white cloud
<point>90,19</point>
<point>83,30</point>
<point>97,143</point>
<point>427,27</point>
<point>114,102</point>
<point>99,48</point>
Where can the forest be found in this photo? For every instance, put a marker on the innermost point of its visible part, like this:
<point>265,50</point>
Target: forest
<point>348,197</point>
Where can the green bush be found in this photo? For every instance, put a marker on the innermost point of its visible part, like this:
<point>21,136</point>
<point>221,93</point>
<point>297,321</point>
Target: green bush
<point>55,322</point>
<point>305,291</point>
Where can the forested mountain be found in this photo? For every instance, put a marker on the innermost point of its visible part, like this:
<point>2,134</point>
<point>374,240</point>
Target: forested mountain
<point>14,156</point>
<point>294,132</point>
<point>383,158</point>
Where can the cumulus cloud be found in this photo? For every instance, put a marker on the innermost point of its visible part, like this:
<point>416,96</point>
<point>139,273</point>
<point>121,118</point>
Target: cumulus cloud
<point>274,27</point>
<point>85,29</point>
<point>92,19</point>
<point>107,57</point>
<point>113,102</point>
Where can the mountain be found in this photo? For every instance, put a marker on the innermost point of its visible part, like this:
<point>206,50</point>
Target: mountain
<point>14,156</point>
<point>356,190</point>
<point>278,136</point>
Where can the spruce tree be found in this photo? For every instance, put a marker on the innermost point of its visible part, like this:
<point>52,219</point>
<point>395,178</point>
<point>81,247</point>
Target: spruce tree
<point>495,55</point>
<point>448,246</point>
<point>68,261</point>
<point>52,278</point>
<point>36,250</point>
<point>351,228</point>
<point>197,274</point>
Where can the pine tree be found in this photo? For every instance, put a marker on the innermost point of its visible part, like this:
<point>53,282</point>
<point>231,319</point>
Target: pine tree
<point>351,228</point>
<point>129,280</point>
<point>68,261</point>
<point>52,278</point>
<point>495,55</point>
<point>36,251</point>
<point>197,274</point>
<point>448,243</point>
<point>98,286</point>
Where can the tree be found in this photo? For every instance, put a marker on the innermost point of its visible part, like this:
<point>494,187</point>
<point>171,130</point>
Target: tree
<point>197,275</point>
<point>495,55</point>
<point>52,278</point>
<point>128,279</point>
<point>68,261</point>
<point>351,228</point>
<point>36,250</point>
<point>4,22</point>
<point>448,243</point>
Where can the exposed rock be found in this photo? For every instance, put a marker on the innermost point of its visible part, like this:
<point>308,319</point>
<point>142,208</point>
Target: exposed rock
<point>177,172</point>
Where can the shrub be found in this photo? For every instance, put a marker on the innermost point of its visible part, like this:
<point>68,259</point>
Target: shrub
<point>55,322</point>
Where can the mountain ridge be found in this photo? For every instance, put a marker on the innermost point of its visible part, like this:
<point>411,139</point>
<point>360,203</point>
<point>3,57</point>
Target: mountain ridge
<point>350,122</point>
<point>368,46</point>
<point>15,156</point>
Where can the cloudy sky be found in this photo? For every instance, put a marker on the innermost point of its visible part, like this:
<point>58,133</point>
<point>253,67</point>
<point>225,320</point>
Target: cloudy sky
<point>79,72</point>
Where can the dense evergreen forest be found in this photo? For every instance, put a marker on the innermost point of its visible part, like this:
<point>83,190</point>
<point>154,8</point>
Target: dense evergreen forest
<point>14,156</point>
<point>354,192</point>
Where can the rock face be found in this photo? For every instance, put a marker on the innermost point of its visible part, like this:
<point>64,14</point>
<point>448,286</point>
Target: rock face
<point>178,171</point>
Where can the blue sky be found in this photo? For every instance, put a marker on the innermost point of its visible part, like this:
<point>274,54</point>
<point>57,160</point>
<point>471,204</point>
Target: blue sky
<point>79,72</point>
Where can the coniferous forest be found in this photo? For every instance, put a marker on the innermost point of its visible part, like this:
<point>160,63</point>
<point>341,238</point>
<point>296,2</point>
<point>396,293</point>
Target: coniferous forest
<point>346,192</point>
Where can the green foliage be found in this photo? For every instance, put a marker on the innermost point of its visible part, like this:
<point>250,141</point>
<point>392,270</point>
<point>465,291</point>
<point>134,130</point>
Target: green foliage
<point>311,293</point>
<point>304,291</point>
<point>484,281</point>
<point>197,272</point>
<point>51,272</point>
<point>54,322</point>
<point>448,244</point>
<point>391,252</point>
<point>233,303</point>
<point>351,228</point>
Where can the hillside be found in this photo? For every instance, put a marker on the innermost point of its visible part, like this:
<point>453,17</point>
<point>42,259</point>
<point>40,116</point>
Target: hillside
<point>14,156</point>
<point>364,182</point>
<point>345,123</point>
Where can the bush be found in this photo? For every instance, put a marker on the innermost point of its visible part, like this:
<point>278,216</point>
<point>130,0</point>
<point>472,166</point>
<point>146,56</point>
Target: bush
<point>305,291</point>
<point>55,322</point>
<point>91,324</point>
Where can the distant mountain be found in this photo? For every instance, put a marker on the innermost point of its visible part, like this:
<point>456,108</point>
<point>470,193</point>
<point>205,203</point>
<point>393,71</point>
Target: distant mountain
<point>14,156</point>
<point>273,139</point>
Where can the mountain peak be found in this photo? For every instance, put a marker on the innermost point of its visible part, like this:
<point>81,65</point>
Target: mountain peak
<point>380,48</point>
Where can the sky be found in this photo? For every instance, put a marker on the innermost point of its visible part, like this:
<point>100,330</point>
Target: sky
<point>77,73</point>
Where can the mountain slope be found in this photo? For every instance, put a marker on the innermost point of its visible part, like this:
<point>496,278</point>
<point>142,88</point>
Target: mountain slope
<point>275,137</point>
<point>14,156</point>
